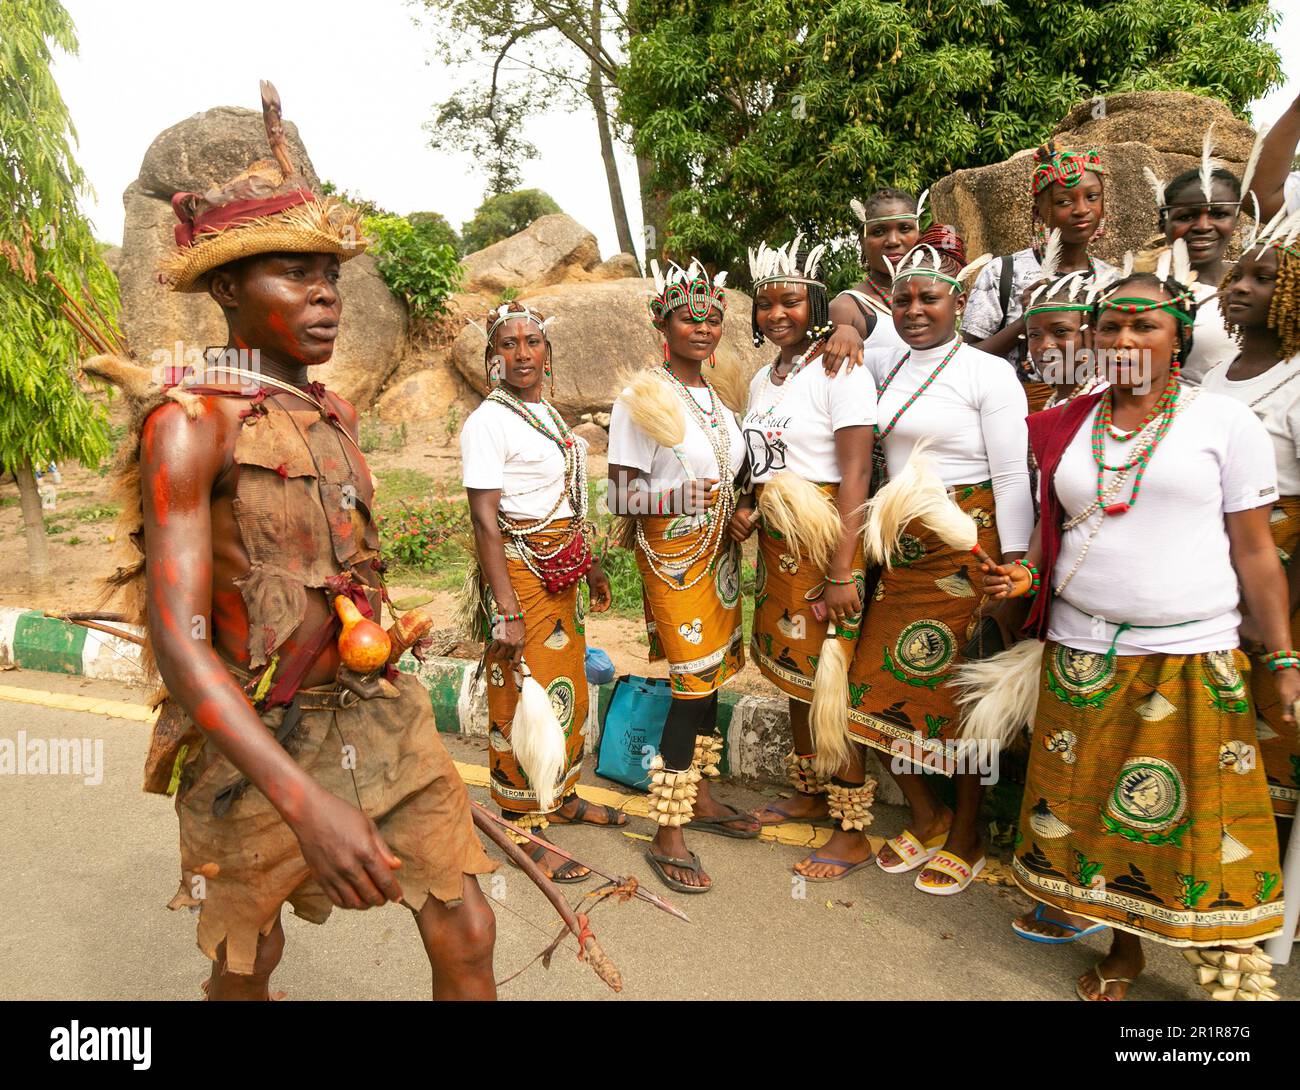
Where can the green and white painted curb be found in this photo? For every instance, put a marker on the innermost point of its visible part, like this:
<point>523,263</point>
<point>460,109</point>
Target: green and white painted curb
<point>756,728</point>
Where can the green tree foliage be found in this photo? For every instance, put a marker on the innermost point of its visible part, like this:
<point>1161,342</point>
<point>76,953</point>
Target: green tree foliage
<point>414,263</point>
<point>43,414</point>
<point>761,116</point>
<point>434,227</point>
<point>503,215</point>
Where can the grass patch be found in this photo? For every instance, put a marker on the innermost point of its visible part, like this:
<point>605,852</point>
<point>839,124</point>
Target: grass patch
<point>373,435</point>
<point>400,484</point>
<point>97,513</point>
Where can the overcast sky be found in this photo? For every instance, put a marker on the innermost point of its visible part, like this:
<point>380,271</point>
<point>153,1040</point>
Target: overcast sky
<point>358,80</point>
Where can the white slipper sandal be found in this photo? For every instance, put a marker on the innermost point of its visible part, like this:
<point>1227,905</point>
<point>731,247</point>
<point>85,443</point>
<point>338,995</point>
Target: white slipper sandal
<point>954,867</point>
<point>910,851</point>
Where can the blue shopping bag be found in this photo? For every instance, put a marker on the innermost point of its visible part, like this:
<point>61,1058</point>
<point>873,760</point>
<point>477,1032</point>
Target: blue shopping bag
<point>633,730</point>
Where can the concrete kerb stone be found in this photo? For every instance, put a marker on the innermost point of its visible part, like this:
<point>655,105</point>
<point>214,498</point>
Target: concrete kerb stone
<point>756,729</point>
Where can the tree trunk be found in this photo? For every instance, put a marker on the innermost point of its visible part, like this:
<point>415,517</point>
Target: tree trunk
<point>654,210</point>
<point>596,92</point>
<point>38,553</point>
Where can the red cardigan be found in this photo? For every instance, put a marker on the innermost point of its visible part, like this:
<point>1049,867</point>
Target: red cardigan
<point>1050,433</point>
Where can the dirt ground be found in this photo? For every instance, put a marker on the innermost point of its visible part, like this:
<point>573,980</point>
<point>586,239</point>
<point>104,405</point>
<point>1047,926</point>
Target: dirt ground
<point>81,531</point>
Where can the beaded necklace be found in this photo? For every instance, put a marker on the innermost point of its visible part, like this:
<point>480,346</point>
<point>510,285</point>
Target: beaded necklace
<point>715,522</point>
<point>1151,431</point>
<point>884,433</point>
<point>574,488</point>
<point>871,282</point>
<point>1108,495</point>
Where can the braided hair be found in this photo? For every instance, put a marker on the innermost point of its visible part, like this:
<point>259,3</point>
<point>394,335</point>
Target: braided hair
<point>1284,307</point>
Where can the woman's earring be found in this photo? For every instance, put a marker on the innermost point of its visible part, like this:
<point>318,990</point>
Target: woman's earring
<point>1040,235</point>
<point>1101,230</point>
<point>665,351</point>
<point>713,359</point>
<point>494,372</point>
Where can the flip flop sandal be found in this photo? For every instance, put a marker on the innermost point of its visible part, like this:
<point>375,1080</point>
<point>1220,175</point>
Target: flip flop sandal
<point>954,867</point>
<point>911,851</point>
<point>563,874</point>
<point>613,818</point>
<point>658,862</point>
<point>774,808</point>
<point>719,827</point>
<point>1055,940</point>
<point>1104,983</point>
<point>849,868</point>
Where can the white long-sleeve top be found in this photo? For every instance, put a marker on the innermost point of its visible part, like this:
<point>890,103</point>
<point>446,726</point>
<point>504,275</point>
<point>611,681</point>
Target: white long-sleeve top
<point>973,416</point>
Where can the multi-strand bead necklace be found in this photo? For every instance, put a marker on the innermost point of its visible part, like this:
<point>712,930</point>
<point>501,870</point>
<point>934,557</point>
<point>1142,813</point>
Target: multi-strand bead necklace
<point>716,521</point>
<point>574,486</point>
<point>1147,437</point>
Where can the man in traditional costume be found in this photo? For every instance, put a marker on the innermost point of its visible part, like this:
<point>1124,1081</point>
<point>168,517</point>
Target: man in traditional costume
<point>306,768</point>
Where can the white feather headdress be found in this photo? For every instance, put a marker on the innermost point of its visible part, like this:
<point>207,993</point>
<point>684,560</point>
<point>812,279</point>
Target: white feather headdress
<point>769,265</point>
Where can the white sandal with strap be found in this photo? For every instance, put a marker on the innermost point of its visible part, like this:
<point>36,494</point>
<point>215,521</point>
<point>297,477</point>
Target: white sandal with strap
<point>1103,982</point>
<point>910,851</point>
<point>944,862</point>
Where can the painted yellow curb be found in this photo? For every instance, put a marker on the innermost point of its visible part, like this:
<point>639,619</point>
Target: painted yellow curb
<point>114,709</point>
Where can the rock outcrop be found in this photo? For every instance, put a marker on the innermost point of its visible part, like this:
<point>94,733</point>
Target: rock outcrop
<point>601,330</point>
<point>991,205</point>
<point>547,251</point>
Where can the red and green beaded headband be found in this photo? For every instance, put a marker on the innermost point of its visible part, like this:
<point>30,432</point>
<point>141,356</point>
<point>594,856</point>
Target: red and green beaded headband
<point>1063,168</point>
<point>1141,306</point>
<point>690,288</point>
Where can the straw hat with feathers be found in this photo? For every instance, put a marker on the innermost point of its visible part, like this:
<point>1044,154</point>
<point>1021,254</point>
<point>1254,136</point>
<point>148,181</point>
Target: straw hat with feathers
<point>267,208</point>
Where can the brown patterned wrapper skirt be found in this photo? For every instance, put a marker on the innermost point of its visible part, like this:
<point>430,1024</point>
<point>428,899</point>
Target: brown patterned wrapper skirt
<point>696,623</point>
<point>912,637</point>
<point>555,648</point>
<point>1144,806</point>
<point>787,639</point>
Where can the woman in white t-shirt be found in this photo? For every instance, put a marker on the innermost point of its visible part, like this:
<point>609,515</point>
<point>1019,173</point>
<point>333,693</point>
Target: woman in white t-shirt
<point>681,499</point>
<point>970,409</point>
<point>526,475</point>
<point>812,433</point>
<point>1262,307</point>
<point>1144,806</point>
<point>1068,191</point>
<point>891,224</point>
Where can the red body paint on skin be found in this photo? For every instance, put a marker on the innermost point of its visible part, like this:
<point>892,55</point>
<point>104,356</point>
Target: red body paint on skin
<point>230,618</point>
<point>160,486</point>
<point>288,342</point>
<point>207,714</point>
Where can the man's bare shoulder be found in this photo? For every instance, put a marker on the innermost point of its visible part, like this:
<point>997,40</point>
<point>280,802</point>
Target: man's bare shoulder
<point>200,430</point>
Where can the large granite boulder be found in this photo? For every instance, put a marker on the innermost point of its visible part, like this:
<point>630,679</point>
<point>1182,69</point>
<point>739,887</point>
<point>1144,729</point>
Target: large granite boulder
<point>547,251</point>
<point>601,330</point>
<point>991,205</point>
<point>194,155</point>
<point>434,397</point>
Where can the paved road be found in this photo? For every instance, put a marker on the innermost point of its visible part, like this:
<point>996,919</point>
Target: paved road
<point>89,870</point>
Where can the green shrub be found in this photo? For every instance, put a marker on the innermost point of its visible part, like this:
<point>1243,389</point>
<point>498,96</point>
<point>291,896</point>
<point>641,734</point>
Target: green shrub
<point>422,271</point>
<point>428,535</point>
<point>503,215</point>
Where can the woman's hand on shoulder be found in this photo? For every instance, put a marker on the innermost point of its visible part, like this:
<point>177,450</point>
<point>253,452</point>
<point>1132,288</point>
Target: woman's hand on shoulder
<point>843,349</point>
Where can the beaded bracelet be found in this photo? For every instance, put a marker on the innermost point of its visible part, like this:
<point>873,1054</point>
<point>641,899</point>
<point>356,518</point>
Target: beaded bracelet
<point>1035,579</point>
<point>1285,654</point>
<point>506,618</point>
<point>1283,663</point>
<point>840,582</point>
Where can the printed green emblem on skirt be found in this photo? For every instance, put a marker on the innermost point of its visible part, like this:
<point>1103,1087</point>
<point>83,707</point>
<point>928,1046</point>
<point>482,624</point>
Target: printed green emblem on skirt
<point>913,633</point>
<point>1145,804</point>
<point>787,638</point>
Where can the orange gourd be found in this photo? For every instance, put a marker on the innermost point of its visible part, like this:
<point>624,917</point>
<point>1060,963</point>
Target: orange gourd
<point>363,645</point>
